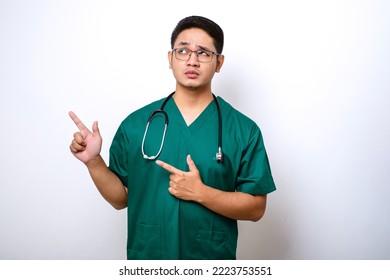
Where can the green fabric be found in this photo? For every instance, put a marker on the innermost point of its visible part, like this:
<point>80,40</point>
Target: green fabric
<point>161,226</point>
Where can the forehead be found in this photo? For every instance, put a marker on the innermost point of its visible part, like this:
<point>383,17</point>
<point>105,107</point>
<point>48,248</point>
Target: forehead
<point>194,37</point>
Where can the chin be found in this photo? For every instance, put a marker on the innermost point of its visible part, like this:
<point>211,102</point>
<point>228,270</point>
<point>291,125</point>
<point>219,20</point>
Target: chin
<point>191,85</point>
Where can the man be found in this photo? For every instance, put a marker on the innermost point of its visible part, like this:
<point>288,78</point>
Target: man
<point>183,191</point>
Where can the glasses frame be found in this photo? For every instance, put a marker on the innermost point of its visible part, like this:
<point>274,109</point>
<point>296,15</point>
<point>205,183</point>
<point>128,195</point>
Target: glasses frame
<point>196,52</point>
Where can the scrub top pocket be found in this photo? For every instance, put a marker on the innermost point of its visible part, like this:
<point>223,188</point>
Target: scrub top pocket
<point>146,243</point>
<point>211,244</point>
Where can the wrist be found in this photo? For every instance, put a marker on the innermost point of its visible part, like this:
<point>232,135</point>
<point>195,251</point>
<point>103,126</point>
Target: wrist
<point>95,162</point>
<point>205,194</point>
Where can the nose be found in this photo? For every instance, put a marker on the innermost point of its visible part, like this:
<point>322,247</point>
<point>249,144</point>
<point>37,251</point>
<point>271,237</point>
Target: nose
<point>193,59</point>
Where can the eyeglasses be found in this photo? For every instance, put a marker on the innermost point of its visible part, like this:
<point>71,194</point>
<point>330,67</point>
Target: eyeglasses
<point>202,55</point>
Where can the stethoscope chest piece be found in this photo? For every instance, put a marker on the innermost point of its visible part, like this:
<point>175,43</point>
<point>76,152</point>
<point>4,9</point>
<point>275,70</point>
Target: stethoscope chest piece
<point>219,155</point>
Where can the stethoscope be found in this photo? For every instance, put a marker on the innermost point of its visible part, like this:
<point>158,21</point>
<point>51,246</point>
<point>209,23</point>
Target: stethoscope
<point>219,154</point>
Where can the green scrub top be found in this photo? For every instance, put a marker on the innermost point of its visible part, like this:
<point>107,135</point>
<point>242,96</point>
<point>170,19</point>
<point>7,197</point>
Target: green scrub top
<point>161,226</point>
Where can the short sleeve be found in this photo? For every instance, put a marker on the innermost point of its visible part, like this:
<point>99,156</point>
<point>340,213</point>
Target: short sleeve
<point>254,175</point>
<point>118,161</point>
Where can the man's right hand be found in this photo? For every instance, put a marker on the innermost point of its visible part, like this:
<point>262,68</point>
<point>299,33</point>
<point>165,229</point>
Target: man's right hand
<point>86,145</point>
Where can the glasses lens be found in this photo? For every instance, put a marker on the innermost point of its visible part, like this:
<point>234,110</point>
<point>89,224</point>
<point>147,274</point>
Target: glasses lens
<point>182,53</point>
<point>202,55</point>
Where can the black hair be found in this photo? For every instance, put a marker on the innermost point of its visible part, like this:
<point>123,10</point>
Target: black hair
<point>207,25</point>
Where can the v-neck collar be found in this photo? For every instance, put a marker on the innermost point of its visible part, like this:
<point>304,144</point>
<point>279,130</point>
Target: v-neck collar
<point>177,117</point>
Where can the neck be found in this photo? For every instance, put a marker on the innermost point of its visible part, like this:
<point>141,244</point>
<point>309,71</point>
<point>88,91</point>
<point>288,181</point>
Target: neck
<point>192,98</point>
<point>192,103</point>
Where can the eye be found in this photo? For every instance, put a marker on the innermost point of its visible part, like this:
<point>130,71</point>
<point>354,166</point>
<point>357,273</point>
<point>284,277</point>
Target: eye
<point>182,51</point>
<point>204,53</point>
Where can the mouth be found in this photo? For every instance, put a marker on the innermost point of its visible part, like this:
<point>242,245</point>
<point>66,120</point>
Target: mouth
<point>191,74</point>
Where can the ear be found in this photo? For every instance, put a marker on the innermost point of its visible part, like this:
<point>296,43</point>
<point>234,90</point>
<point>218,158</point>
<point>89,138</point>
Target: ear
<point>220,60</point>
<point>170,59</point>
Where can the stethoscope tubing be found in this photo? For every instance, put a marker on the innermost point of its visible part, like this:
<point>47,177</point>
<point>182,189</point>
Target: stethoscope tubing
<point>219,154</point>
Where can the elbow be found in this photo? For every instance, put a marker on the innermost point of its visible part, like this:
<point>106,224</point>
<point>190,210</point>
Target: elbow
<point>119,202</point>
<point>119,206</point>
<point>258,210</point>
<point>257,215</point>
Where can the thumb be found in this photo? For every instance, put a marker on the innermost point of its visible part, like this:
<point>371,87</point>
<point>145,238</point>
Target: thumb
<point>191,164</point>
<point>95,128</point>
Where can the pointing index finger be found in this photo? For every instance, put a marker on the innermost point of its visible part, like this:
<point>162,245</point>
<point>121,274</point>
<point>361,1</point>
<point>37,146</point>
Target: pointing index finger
<point>168,167</point>
<point>77,121</point>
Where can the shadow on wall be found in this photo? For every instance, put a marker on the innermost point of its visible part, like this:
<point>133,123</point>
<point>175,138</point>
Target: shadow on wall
<point>268,239</point>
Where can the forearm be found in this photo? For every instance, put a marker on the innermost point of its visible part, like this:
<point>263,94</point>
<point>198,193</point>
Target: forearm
<point>107,183</point>
<point>234,205</point>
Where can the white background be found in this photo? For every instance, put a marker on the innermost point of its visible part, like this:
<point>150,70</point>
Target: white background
<point>313,74</point>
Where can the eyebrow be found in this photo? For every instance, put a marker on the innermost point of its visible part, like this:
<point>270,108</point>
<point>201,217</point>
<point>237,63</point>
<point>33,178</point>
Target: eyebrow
<point>180,44</point>
<point>183,44</point>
